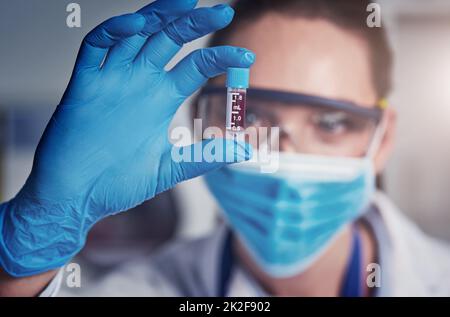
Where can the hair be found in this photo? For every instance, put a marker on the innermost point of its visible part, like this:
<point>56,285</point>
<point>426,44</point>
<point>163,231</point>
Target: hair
<point>349,15</point>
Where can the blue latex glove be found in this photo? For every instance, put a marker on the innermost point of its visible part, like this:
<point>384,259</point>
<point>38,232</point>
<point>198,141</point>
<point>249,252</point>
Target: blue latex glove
<point>106,147</point>
<point>287,219</point>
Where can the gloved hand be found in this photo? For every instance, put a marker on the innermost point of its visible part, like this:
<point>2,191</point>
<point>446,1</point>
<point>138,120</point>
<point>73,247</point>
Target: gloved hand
<point>106,147</point>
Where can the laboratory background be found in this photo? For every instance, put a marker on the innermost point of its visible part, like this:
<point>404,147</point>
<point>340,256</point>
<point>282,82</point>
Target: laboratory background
<point>38,51</point>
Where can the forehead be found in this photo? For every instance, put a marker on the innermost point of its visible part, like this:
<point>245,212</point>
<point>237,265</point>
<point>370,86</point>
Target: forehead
<point>311,56</point>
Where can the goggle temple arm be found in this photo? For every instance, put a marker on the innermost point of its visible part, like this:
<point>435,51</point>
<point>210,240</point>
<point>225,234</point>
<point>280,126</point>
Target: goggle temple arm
<point>377,137</point>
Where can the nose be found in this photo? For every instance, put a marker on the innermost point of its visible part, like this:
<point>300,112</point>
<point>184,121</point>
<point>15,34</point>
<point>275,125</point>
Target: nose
<point>288,141</point>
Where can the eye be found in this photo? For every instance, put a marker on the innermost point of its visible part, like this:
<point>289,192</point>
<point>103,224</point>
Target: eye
<point>337,122</point>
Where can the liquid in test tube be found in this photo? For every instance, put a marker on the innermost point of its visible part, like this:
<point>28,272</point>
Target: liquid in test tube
<point>237,84</point>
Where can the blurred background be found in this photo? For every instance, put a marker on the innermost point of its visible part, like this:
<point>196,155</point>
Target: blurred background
<point>38,50</point>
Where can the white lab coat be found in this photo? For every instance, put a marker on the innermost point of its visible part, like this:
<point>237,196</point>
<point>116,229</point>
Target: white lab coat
<point>412,264</point>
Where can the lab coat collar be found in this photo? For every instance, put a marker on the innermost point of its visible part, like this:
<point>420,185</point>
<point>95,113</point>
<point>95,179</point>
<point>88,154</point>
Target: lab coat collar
<point>412,269</point>
<point>210,260</point>
<point>241,283</point>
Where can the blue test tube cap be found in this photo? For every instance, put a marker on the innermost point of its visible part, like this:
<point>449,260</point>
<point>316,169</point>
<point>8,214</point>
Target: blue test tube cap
<point>238,77</point>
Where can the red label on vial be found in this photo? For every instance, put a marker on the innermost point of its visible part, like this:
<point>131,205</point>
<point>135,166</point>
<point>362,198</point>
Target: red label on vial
<point>236,110</point>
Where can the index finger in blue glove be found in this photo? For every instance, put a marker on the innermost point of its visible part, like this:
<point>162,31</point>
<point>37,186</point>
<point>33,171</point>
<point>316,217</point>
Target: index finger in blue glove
<point>161,47</point>
<point>100,39</point>
<point>157,15</point>
<point>161,12</point>
<point>195,69</point>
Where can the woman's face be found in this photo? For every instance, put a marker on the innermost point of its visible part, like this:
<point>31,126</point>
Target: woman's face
<point>317,58</point>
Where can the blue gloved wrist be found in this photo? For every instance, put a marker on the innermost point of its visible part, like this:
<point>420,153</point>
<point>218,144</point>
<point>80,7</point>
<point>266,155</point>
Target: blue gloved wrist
<point>25,251</point>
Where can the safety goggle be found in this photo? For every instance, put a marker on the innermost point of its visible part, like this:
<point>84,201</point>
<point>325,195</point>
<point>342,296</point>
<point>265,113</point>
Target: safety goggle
<point>307,123</point>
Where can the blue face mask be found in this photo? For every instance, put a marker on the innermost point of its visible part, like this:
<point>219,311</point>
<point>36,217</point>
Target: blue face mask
<point>287,219</point>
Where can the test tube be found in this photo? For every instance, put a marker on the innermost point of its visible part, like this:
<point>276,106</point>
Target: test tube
<point>237,84</point>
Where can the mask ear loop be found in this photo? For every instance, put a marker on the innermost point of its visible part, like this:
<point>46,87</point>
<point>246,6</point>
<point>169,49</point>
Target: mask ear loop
<point>377,138</point>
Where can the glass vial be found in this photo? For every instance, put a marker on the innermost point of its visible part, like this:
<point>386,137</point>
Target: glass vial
<point>237,84</point>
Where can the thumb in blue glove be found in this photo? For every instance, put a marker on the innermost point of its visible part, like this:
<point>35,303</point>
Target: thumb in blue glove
<point>105,148</point>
